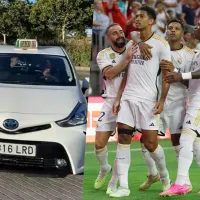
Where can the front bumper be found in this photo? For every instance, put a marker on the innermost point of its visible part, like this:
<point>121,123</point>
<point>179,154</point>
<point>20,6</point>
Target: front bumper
<point>51,144</point>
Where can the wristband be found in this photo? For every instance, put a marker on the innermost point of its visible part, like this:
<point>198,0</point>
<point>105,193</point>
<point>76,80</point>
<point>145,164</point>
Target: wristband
<point>187,76</point>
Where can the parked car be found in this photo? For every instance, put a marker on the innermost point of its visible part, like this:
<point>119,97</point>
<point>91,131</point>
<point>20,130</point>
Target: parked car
<point>43,111</point>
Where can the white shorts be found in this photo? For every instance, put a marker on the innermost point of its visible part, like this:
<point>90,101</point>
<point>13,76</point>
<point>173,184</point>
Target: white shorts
<point>138,114</point>
<point>172,116</point>
<point>107,119</point>
<point>192,119</point>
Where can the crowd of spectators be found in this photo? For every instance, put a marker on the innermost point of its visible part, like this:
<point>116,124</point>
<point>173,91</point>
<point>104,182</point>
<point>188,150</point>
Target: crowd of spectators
<point>123,12</point>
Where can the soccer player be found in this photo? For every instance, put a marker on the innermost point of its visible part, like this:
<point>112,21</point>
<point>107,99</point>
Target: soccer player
<point>190,134</point>
<point>174,110</point>
<point>139,104</point>
<point>112,62</point>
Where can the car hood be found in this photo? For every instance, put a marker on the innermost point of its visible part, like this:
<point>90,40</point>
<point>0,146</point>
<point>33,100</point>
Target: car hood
<point>39,100</point>
<point>32,106</point>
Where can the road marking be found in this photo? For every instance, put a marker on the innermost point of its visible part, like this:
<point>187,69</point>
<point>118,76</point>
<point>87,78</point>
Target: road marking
<point>136,149</point>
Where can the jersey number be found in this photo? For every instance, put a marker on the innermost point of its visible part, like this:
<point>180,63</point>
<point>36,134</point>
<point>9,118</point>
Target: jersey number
<point>101,116</point>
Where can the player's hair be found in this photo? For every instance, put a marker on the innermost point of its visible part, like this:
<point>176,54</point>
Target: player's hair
<point>175,20</point>
<point>150,12</point>
<point>110,26</point>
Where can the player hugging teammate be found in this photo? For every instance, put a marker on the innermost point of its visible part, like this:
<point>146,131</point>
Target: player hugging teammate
<point>141,103</point>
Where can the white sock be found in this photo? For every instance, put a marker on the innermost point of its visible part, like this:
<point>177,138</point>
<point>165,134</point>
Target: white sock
<point>177,150</point>
<point>102,157</point>
<point>123,163</point>
<point>113,182</point>
<point>159,158</point>
<point>185,157</point>
<point>152,170</point>
<point>197,151</point>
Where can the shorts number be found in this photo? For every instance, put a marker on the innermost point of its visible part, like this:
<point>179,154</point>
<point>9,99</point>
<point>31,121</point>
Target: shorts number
<point>100,118</point>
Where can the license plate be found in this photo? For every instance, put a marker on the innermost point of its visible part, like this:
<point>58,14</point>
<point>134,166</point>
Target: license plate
<point>17,149</point>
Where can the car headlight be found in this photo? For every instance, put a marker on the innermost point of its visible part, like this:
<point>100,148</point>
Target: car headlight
<point>77,117</point>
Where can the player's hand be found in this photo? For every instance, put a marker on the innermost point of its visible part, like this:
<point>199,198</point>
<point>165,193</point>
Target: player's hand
<point>145,50</point>
<point>166,65</point>
<point>131,50</point>
<point>116,107</point>
<point>173,77</point>
<point>158,107</point>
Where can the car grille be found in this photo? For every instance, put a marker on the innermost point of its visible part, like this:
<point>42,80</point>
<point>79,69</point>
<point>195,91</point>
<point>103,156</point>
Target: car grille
<point>21,161</point>
<point>27,130</point>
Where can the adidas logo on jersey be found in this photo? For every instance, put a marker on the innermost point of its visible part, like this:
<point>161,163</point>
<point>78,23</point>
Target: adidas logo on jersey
<point>113,61</point>
<point>152,124</point>
<point>188,122</point>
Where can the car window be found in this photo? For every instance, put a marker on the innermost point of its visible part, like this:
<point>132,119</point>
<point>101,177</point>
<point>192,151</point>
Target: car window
<point>36,69</point>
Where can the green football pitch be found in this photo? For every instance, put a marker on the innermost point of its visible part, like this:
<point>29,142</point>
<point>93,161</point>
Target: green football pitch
<point>137,174</point>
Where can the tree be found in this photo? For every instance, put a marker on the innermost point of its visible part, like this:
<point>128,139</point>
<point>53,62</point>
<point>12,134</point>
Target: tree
<point>12,22</point>
<point>5,22</point>
<point>54,17</point>
<point>20,22</point>
<point>44,19</point>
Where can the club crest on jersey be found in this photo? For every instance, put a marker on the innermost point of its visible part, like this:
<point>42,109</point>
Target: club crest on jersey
<point>112,56</point>
<point>179,60</point>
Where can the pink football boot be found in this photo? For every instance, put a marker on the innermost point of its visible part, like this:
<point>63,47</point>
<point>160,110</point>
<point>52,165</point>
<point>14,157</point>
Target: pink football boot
<point>175,190</point>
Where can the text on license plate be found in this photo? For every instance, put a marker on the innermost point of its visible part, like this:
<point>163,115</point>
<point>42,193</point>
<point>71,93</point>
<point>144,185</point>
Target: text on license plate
<point>17,149</point>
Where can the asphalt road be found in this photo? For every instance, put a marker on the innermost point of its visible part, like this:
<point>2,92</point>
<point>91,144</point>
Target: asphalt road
<point>29,185</point>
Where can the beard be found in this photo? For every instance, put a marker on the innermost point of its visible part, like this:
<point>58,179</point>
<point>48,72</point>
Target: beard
<point>120,44</point>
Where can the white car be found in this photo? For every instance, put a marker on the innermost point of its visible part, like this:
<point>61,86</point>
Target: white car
<point>43,111</point>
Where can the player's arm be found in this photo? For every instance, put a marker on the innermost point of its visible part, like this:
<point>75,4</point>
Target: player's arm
<point>173,77</point>
<point>164,53</point>
<point>184,78</point>
<point>165,88</point>
<point>168,66</point>
<point>194,75</point>
<point>110,71</point>
<point>119,95</point>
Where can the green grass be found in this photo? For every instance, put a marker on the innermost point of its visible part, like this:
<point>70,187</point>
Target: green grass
<point>137,174</point>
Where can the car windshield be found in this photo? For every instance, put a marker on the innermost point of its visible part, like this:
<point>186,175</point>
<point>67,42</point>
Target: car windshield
<point>36,69</point>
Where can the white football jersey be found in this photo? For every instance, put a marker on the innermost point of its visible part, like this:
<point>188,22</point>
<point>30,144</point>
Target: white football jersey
<point>109,57</point>
<point>182,60</point>
<point>143,74</point>
<point>194,85</point>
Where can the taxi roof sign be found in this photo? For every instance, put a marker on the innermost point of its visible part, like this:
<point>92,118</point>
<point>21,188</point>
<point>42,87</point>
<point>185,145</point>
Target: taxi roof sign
<point>26,44</point>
